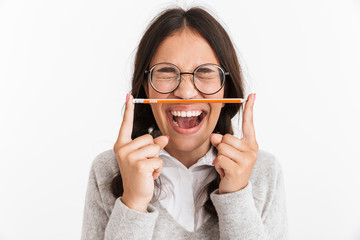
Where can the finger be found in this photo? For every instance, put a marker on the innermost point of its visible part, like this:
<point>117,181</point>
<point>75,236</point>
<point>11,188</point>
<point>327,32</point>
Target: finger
<point>137,143</point>
<point>143,141</point>
<point>219,169</point>
<point>235,142</point>
<point>215,139</point>
<point>224,165</point>
<point>151,165</point>
<point>127,124</point>
<point>248,124</point>
<point>157,171</point>
<point>162,141</point>
<point>231,153</point>
<point>149,151</point>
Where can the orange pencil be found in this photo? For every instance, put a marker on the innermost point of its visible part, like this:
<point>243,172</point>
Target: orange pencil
<point>202,100</point>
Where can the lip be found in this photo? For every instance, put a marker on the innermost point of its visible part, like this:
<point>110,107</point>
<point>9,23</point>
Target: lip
<point>185,108</point>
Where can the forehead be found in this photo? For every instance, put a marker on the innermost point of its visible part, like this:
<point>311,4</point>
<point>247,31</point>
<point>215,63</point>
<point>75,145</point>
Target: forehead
<point>185,48</point>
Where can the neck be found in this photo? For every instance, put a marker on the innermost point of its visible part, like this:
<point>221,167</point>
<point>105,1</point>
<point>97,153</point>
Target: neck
<point>190,157</point>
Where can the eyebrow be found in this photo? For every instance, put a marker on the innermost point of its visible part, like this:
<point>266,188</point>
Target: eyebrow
<point>205,70</point>
<point>166,69</point>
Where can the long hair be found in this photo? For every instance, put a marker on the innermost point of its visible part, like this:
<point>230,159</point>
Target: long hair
<point>166,23</point>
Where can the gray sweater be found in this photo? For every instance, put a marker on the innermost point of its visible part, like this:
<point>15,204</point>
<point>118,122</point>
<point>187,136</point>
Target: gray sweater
<point>256,212</point>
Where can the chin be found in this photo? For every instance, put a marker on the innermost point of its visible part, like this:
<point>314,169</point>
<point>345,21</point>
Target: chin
<point>189,145</point>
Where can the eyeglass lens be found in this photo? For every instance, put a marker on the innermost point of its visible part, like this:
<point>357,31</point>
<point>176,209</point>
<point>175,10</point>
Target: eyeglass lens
<point>208,78</point>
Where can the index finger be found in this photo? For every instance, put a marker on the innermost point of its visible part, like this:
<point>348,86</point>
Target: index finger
<point>248,124</point>
<point>127,123</point>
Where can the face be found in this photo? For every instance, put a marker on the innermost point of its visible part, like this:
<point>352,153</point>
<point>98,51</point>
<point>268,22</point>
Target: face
<point>187,50</point>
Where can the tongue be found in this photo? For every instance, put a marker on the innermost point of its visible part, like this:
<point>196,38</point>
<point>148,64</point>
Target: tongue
<point>186,122</point>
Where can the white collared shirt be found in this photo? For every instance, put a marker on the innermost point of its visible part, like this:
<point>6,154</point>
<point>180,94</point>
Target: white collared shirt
<point>181,186</point>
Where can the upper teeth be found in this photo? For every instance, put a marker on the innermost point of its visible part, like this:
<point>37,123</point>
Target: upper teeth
<point>186,113</point>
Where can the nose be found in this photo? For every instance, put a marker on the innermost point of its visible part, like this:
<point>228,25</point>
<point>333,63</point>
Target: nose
<point>186,89</point>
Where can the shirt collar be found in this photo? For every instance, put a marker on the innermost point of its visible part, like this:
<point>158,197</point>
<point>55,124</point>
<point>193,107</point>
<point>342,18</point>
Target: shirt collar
<point>206,160</point>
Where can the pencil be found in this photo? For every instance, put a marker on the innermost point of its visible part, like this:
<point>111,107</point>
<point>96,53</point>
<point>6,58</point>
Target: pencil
<point>203,100</point>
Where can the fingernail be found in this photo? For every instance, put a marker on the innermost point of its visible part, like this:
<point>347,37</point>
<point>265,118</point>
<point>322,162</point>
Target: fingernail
<point>213,161</point>
<point>127,97</point>
<point>254,96</point>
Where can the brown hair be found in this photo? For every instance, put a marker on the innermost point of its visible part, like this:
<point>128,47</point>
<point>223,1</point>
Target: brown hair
<point>166,23</point>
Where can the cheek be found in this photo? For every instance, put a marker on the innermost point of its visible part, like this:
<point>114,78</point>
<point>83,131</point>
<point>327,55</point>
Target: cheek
<point>215,113</point>
<point>154,94</point>
<point>216,108</point>
<point>160,116</point>
<point>157,111</point>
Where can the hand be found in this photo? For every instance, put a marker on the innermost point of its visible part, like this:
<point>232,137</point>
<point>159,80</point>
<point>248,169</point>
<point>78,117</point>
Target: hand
<point>138,162</point>
<point>236,157</point>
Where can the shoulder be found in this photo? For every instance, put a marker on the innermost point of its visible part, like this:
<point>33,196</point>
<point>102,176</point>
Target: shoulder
<point>268,187</point>
<point>267,171</point>
<point>105,166</point>
<point>267,162</point>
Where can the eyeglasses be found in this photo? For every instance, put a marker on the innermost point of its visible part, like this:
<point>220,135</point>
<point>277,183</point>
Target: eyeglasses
<point>166,77</point>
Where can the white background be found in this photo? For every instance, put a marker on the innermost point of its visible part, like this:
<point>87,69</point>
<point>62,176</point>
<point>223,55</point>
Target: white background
<point>65,68</point>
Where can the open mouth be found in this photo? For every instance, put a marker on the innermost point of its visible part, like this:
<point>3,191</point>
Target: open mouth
<point>187,119</point>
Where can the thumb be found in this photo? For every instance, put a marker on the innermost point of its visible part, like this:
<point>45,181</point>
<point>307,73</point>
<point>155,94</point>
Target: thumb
<point>215,139</point>
<point>162,141</point>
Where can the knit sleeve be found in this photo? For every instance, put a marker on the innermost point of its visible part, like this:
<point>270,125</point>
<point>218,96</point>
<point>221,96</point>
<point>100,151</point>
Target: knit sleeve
<point>122,223</point>
<point>126,223</point>
<point>245,216</point>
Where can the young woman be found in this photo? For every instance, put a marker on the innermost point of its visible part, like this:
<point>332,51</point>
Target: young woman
<point>176,171</point>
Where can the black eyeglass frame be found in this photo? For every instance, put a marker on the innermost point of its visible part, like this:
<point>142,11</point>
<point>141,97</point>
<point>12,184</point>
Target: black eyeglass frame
<point>192,73</point>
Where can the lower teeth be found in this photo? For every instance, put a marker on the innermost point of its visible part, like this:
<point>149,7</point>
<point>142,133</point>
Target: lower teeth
<point>196,123</point>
